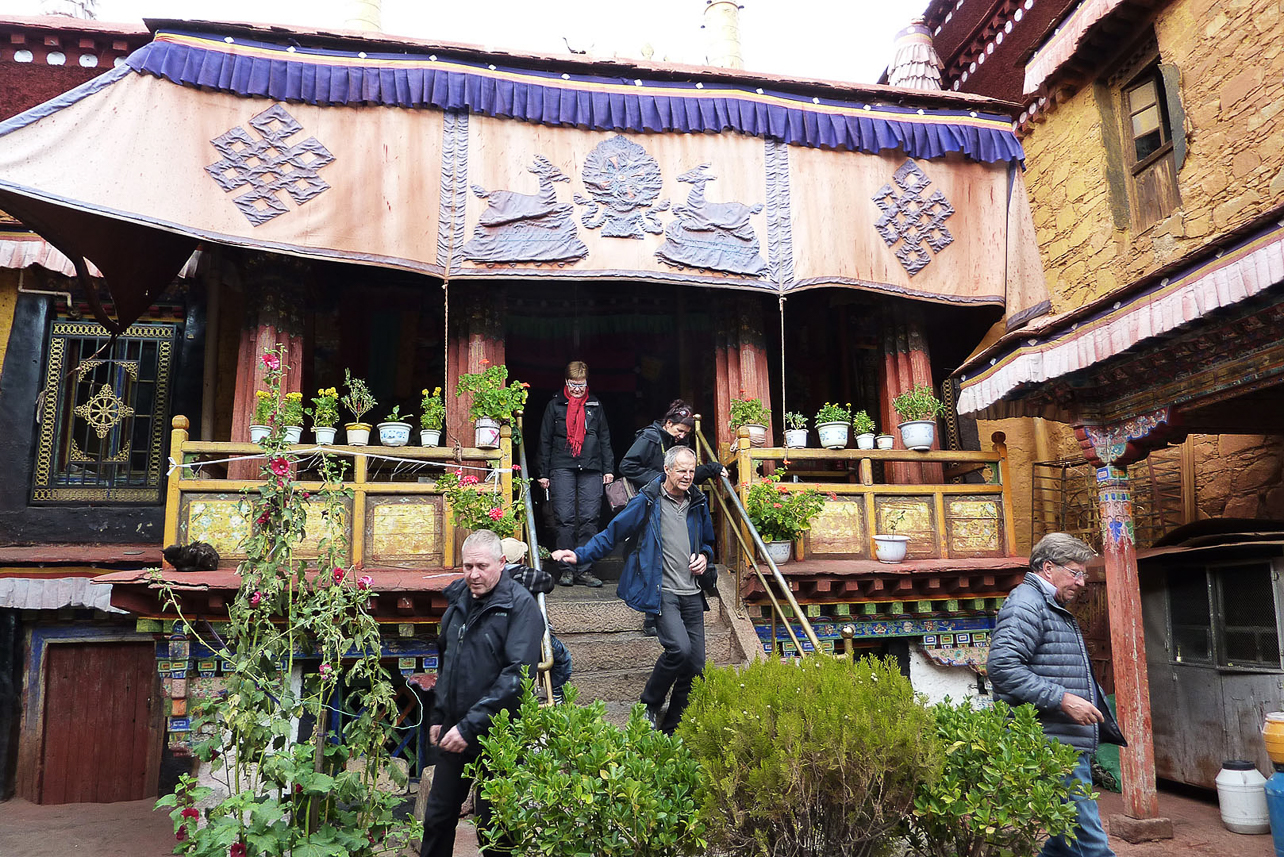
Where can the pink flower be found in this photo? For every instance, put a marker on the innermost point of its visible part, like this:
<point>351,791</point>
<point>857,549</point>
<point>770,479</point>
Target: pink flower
<point>468,480</point>
<point>517,468</point>
<point>191,812</point>
<point>783,489</point>
<point>833,496</point>
<point>458,471</point>
<point>338,575</point>
<point>279,466</point>
<point>265,517</point>
<point>364,581</point>
<point>181,834</point>
<point>495,513</point>
<point>776,506</point>
<point>255,599</point>
<point>237,850</point>
<point>272,362</point>
<point>324,669</point>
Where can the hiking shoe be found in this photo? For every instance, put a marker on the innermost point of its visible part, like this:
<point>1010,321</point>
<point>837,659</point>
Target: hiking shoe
<point>559,697</point>
<point>589,579</point>
<point>567,579</point>
<point>653,716</point>
<point>649,626</point>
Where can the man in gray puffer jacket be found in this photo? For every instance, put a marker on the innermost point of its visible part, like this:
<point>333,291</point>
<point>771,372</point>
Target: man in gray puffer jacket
<point>1037,655</point>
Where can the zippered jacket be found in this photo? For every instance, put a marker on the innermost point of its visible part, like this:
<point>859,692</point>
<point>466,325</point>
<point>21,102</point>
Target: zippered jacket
<point>484,661</point>
<point>596,455</point>
<point>645,459</point>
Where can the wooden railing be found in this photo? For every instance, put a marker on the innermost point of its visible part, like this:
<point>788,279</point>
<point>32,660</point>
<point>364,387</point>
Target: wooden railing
<point>393,518</point>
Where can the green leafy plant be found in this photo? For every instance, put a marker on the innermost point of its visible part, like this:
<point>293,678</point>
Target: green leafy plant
<point>493,396</point>
<point>292,409</point>
<point>918,404</point>
<point>264,408</point>
<point>795,421</point>
<point>1002,788</point>
<point>300,641</point>
<point>892,520</point>
<point>325,412</point>
<point>563,782</point>
<point>780,512</point>
<point>478,505</point>
<point>359,399</point>
<point>748,412</point>
<point>863,423</point>
<point>832,413</point>
<point>395,416</point>
<point>820,758</point>
<point>432,410</point>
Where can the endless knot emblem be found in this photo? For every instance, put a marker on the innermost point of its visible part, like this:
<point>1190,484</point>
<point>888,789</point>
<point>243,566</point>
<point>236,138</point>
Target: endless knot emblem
<point>911,219</point>
<point>103,411</point>
<point>269,165</point>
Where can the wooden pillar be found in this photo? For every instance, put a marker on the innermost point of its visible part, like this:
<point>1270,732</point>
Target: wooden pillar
<point>906,364</point>
<point>743,367</point>
<point>476,341</point>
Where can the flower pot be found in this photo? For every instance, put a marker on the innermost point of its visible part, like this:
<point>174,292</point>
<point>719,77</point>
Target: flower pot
<point>257,433</point>
<point>757,434</point>
<point>486,433</point>
<point>796,438</point>
<point>891,548</point>
<point>430,437</point>
<point>394,433</point>
<point>865,441</point>
<point>833,435</point>
<point>293,434</point>
<point>358,434</point>
<point>884,441</point>
<point>324,434</point>
<point>918,434</point>
<point>779,551</point>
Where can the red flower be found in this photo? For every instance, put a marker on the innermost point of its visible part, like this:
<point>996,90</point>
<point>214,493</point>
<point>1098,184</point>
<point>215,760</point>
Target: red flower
<point>485,362</point>
<point>265,517</point>
<point>181,834</point>
<point>833,496</point>
<point>364,581</point>
<point>783,489</point>
<point>279,466</point>
<point>191,812</point>
<point>525,386</point>
<point>495,513</point>
<point>298,788</point>
<point>255,599</point>
<point>324,669</point>
<point>272,362</point>
<point>458,471</point>
<point>517,468</point>
<point>469,480</point>
<point>776,506</point>
<point>237,850</point>
<point>338,575</point>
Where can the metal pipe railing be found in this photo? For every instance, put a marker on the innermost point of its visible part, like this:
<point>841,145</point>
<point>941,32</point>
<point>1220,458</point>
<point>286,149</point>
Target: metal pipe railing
<point>532,541</point>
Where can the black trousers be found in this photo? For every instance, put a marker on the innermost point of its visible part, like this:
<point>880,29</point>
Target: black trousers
<point>680,630</point>
<point>441,811</point>
<point>577,500</point>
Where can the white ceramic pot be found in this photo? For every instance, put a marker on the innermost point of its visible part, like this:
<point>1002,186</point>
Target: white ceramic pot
<point>865,441</point>
<point>358,434</point>
<point>884,441</point>
<point>293,434</point>
<point>779,551</point>
<point>891,548</point>
<point>324,434</point>
<point>757,434</point>
<point>394,433</point>
<point>257,433</point>
<point>918,434</point>
<point>833,435</point>
<point>430,437</point>
<point>486,433</point>
<point>796,438</point>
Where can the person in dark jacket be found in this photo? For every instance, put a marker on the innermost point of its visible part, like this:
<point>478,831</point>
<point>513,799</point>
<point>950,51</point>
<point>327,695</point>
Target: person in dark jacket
<point>1037,655</point>
<point>488,642</point>
<point>574,460</point>
<point>667,573</point>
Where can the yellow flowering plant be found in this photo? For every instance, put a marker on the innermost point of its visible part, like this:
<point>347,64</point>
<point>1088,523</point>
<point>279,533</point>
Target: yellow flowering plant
<point>326,410</point>
<point>292,409</point>
<point>432,410</point>
<point>264,408</point>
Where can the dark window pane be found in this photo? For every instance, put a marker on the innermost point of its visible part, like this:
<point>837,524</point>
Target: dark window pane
<point>1247,633</point>
<point>1188,598</point>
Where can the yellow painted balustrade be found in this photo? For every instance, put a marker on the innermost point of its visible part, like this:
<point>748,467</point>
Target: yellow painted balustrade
<point>396,516</point>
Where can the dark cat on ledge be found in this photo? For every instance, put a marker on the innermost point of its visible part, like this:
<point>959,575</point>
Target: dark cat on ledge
<point>198,556</point>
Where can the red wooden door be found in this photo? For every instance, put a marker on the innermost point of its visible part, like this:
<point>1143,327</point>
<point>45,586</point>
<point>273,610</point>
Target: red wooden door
<point>101,739</point>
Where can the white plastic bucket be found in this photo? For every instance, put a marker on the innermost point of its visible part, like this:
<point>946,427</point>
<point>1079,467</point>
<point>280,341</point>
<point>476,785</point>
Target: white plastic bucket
<point>1241,794</point>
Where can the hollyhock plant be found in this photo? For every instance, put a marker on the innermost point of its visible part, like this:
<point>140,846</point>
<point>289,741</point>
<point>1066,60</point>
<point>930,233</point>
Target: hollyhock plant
<point>338,575</point>
<point>365,581</point>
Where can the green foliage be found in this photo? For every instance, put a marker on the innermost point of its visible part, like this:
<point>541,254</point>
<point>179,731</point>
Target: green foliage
<point>493,396</point>
<point>264,408</point>
<point>396,416</point>
<point>326,412</point>
<point>862,423</point>
<point>892,520</point>
<point>832,413</point>
<point>918,404</point>
<point>359,400</point>
<point>432,410</point>
<point>563,782</point>
<point>478,505</point>
<point>747,412</point>
<point>1003,787</point>
<point>292,409</point>
<point>809,760</point>
<point>780,512</point>
<point>795,421</point>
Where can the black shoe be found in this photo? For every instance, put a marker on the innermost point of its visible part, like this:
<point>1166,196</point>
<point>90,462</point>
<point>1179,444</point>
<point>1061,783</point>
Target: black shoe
<point>649,626</point>
<point>567,579</point>
<point>559,697</point>
<point>589,579</point>
<point>653,716</point>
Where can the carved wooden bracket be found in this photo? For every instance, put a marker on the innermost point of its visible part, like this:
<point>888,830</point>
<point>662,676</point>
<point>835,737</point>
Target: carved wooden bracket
<point>1120,444</point>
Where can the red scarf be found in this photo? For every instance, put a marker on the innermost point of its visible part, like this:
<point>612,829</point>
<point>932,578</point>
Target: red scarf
<point>575,421</point>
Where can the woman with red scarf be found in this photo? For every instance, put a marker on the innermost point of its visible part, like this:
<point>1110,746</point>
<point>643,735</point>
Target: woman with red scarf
<point>574,460</point>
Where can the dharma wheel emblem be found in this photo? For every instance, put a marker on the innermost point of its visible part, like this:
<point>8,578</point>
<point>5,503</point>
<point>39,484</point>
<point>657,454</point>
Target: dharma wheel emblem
<point>911,219</point>
<point>104,410</point>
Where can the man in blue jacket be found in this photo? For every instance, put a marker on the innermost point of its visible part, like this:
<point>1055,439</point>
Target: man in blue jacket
<point>666,572</point>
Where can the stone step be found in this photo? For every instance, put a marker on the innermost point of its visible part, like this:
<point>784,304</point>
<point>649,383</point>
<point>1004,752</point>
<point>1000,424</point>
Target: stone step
<point>591,652</point>
<point>622,686</point>
<point>579,609</point>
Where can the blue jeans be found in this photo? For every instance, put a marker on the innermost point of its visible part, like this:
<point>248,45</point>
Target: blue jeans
<point>1092,837</point>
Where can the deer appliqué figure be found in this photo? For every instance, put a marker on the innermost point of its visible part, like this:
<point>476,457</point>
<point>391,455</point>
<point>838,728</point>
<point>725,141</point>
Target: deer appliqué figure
<point>526,227</point>
<point>714,235</point>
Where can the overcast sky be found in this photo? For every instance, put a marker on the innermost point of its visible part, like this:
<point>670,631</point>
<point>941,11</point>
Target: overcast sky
<point>834,39</point>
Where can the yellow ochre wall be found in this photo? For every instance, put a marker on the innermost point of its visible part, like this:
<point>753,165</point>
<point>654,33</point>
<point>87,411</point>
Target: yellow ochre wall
<point>8,299</point>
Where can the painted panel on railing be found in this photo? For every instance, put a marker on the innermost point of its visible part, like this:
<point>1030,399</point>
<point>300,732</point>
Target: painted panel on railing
<point>404,530</point>
<point>974,526</point>
<point>909,516</point>
<point>223,520</point>
<point>840,529</point>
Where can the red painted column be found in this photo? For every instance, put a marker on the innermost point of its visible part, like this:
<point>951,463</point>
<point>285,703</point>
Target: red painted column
<point>906,364</point>
<point>476,342</point>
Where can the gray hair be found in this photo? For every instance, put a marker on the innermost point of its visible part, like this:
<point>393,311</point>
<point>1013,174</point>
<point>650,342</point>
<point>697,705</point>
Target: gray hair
<point>485,540</point>
<point>672,455</point>
<point>1059,549</point>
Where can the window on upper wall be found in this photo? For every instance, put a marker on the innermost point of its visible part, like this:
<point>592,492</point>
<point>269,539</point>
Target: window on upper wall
<point>1225,616</point>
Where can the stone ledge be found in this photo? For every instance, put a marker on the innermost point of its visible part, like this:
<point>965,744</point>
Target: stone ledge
<point>1136,830</point>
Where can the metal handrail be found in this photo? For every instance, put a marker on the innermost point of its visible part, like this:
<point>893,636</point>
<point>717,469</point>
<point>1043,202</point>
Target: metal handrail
<point>532,541</point>
<point>742,515</point>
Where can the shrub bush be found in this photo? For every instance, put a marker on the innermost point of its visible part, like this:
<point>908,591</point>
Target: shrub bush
<point>1002,787</point>
<point>819,758</point>
<point>563,782</point>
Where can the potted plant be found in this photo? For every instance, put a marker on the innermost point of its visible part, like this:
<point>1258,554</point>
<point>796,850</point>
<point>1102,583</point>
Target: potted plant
<point>359,401</point>
<point>781,513</point>
<point>395,431</point>
<point>884,441</point>
<point>833,425</point>
<point>432,416</point>
<point>795,430</point>
<point>478,505</point>
<point>919,408</point>
<point>890,547</point>
<point>264,410</point>
<point>751,414</point>
<point>292,416</point>
<point>863,425</point>
<point>325,415</point>
<point>494,401</point>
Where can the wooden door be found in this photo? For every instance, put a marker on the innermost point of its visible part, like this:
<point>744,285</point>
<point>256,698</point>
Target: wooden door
<point>102,738</point>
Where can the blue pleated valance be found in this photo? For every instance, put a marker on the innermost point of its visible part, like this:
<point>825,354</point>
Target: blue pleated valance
<point>325,77</point>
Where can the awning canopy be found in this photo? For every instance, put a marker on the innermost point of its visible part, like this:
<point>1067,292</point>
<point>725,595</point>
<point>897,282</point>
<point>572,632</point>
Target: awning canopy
<point>459,168</point>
